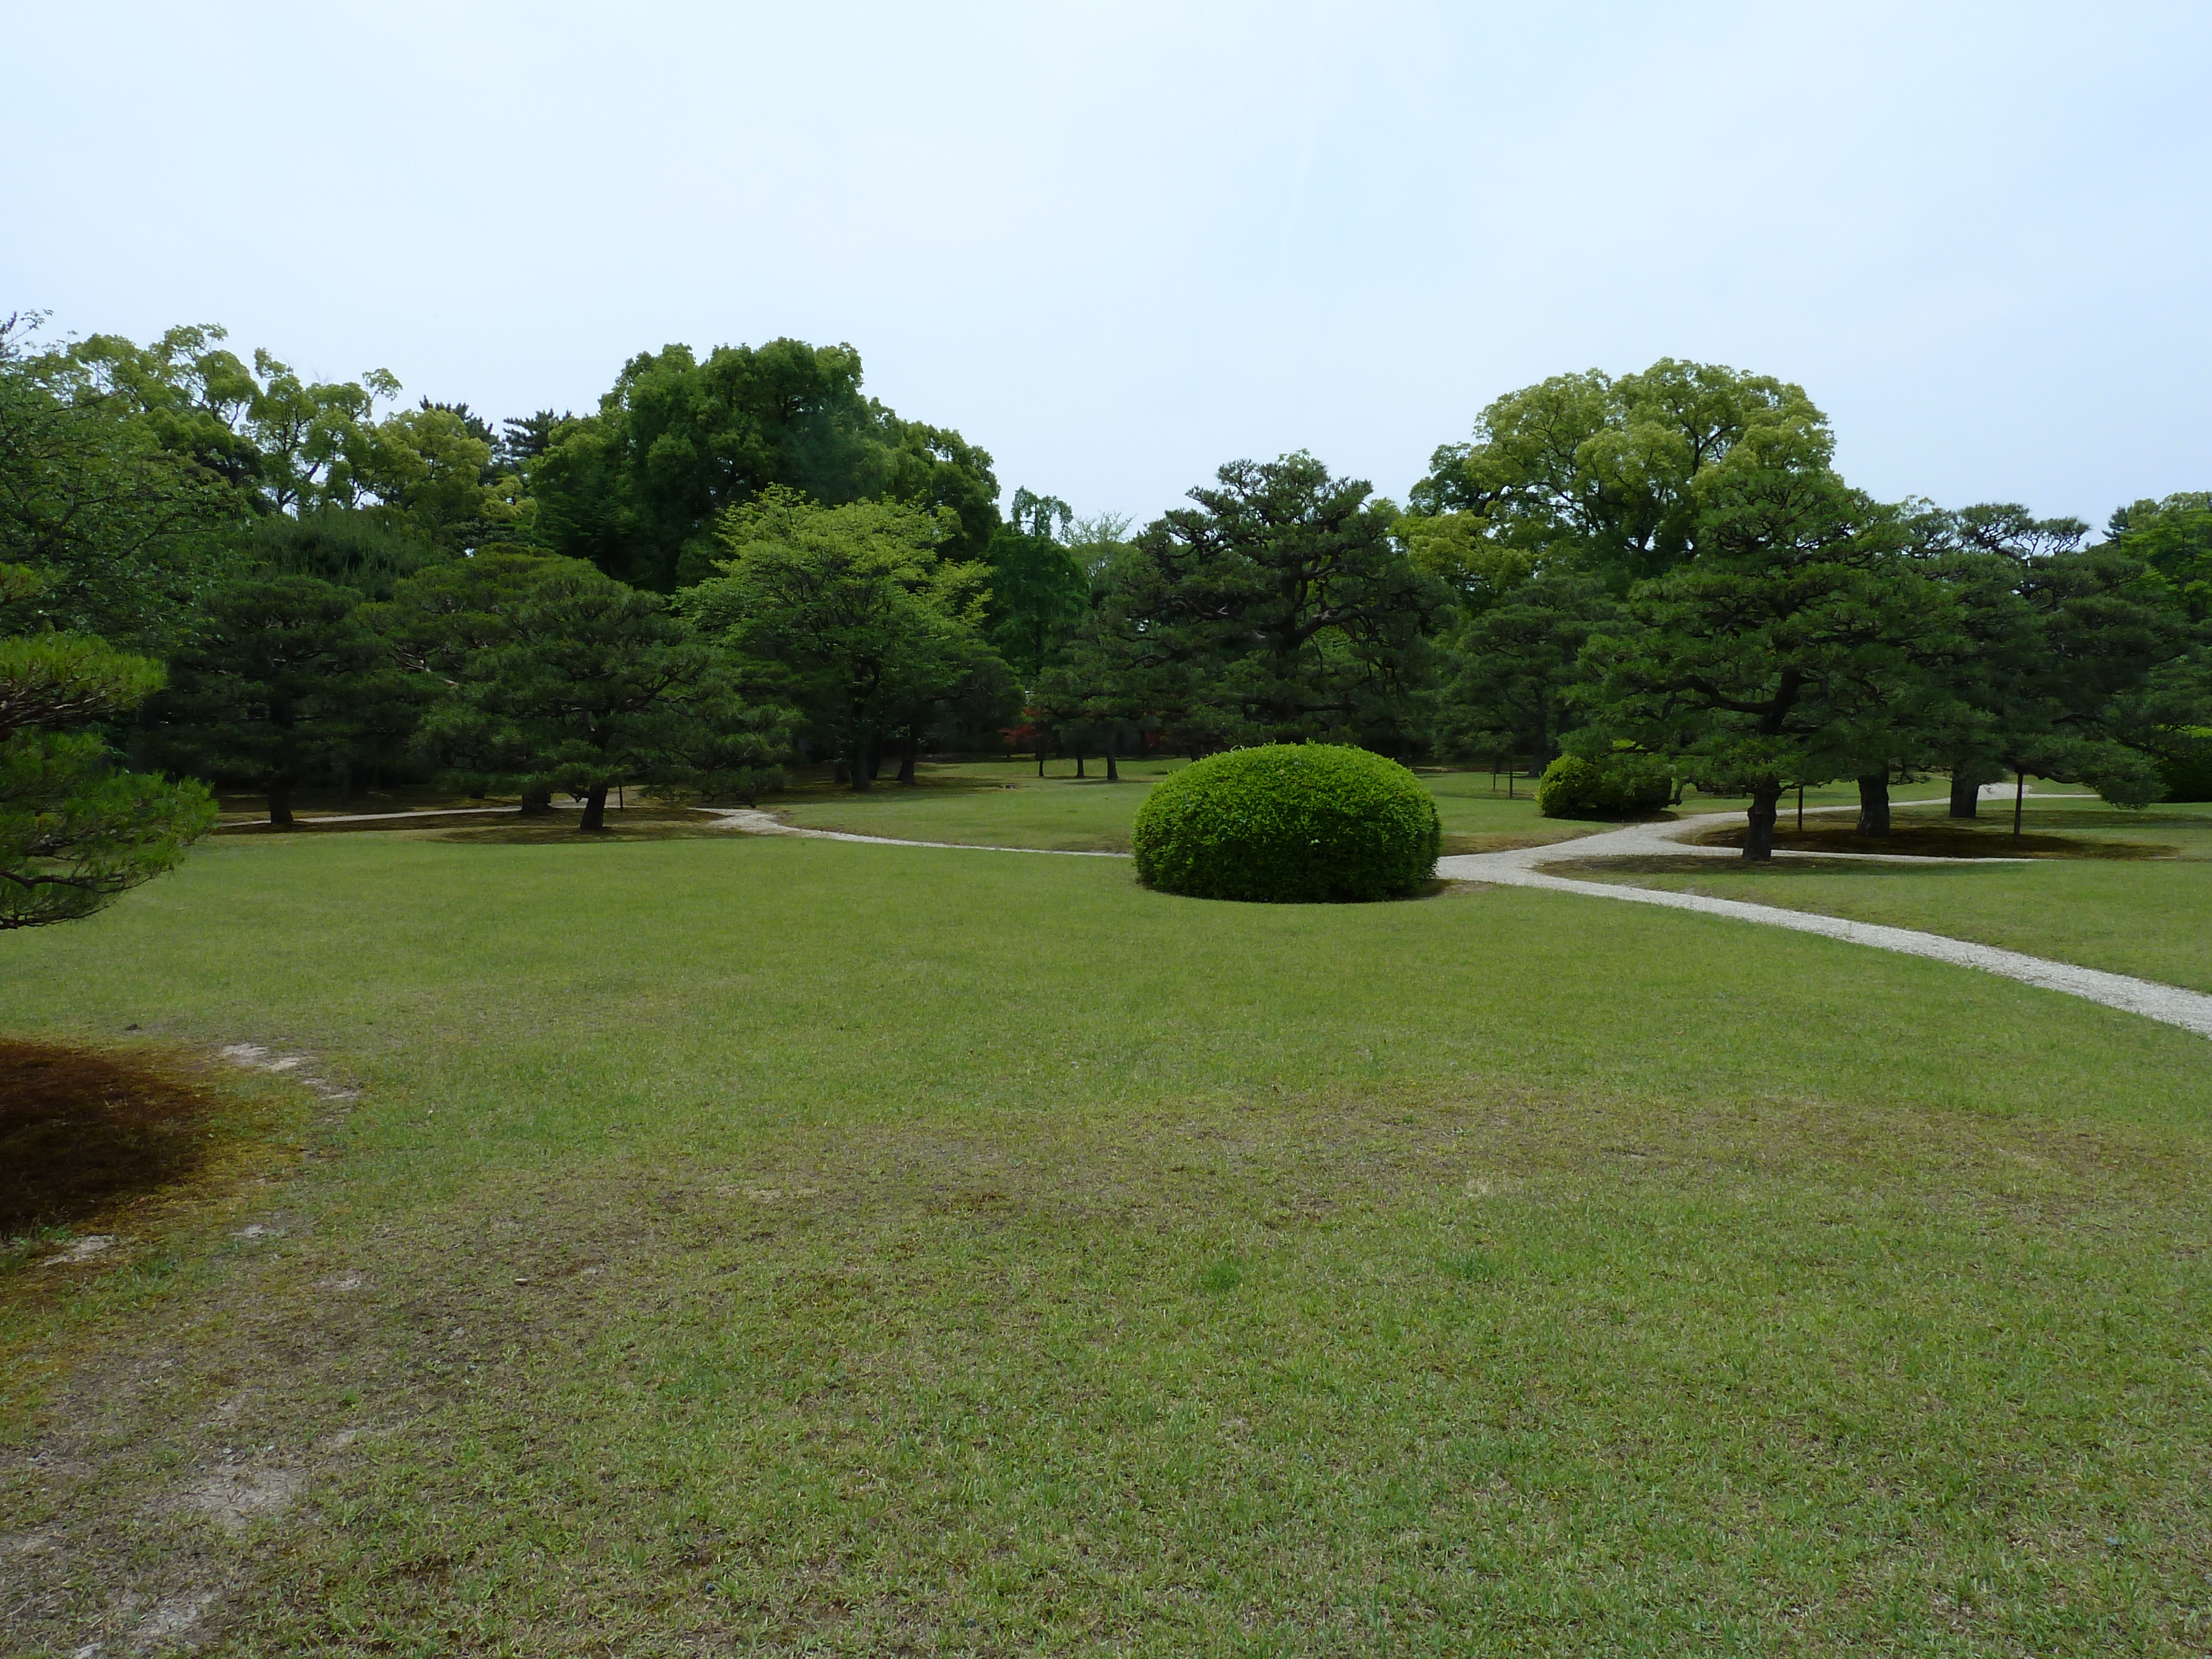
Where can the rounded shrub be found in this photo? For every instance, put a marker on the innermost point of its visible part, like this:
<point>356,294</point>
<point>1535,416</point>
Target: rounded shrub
<point>1288,824</point>
<point>1577,787</point>
<point>2187,774</point>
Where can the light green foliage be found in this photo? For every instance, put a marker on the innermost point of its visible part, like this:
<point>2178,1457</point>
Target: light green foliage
<point>284,444</point>
<point>861,621</point>
<point>1288,824</point>
<point>984,1252</point>
<point>640,489</point>
<point>1602,786</point>
<point>120,531</point>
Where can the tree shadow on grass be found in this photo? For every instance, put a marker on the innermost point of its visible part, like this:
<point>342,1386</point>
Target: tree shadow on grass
<point>80,1131</point>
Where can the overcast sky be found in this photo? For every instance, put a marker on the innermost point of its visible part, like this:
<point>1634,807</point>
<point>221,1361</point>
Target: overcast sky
<point>1120,244</point>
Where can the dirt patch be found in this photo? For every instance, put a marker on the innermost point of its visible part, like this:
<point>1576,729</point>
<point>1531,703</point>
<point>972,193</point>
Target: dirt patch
<point>81,1130</point>
<point>1941,839</point>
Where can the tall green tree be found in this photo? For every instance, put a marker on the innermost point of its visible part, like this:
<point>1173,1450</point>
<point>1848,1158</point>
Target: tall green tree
<point>1039,587</point>
<point>560,678</point>
<point>859,617</point>
<point>281,682</point>
<point>76,829</point>
<point>1795,611</point>
<point>640,487</point>
<point>122,531</point>
<point>1599,472</point>
<point>1279,608</point>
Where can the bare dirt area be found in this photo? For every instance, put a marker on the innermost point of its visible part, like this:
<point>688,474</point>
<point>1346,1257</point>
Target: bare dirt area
<point>81,1131</point>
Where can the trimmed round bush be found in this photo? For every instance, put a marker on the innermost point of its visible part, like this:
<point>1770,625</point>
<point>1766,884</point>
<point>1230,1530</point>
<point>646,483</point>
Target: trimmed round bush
<point>1288,824</point>
<point>2188,777</point>
<point>1577,787</point>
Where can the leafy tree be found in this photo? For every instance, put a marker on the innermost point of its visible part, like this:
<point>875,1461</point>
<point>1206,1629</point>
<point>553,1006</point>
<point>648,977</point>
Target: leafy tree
<point>640,487</point>
<point>562,678</point>
<point>281,682</point>
<point>284,444</point>
<point>1795,611</point>
<point>75,830</point>
<point>1279,608</point>
<point>1511,665</point>
<point>1039,587</point>
<point>121,532</point>
<point>858,615</point>
<point>1600,472</point>
<point>2173,537</point>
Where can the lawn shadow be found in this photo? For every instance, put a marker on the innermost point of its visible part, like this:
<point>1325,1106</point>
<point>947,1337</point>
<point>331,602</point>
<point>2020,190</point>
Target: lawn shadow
<point>80,1131</point>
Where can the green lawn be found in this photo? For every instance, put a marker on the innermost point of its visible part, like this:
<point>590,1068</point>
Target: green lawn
<point>2142,917</point>
<point>1005,803</point>
<point>760,1245</point>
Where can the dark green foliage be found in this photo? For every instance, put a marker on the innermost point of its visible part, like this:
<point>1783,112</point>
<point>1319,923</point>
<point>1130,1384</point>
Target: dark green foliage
<point>563,678</point>
<point>281,682</point>
<point>1288,824</point>
<point>366,549</point>
<point>1584,786</point>
<point>2185,768</point>
<point>1279,607</point>
<point>74,828</point>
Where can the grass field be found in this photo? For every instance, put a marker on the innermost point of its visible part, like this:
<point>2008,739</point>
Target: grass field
<point>2145,917</point>
<point>748,1245</point>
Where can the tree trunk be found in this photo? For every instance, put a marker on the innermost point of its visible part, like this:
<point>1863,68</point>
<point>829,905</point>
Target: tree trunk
<point>1759,841</point>
<point>1113,772</point>
<point>280,804</point>
<point>595,808</point>
<point>841,774</point>
<point>1040,757</point>
<point>864,767</point>
<point>538,802</point>
<point>1965,797</point>
<point>1078,763</point>
<point>1873,803</point>
<point>907,755</point>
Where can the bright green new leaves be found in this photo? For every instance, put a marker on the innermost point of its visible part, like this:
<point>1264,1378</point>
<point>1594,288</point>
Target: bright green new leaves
<point>862,624</point>
<point>121,532</point>
<point>1599,472</point>
<point>75,829</point>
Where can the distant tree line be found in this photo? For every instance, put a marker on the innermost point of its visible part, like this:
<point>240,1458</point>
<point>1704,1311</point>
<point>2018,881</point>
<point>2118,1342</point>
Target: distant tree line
<point>217,572</point>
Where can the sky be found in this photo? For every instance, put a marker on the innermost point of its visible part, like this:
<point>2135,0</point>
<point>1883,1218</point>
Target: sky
<point>1118,244</point>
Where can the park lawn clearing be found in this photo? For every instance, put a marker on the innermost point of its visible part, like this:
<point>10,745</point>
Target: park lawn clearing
<point>2133,901</point>
<point>1004,803</point>
<point>758,1242</point>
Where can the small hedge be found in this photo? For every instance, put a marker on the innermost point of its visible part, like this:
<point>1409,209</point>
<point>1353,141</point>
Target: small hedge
<point>1575,786</point>
<point>1288,824</point>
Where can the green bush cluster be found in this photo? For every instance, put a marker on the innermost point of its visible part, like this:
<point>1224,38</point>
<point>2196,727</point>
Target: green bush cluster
<point>1288,824</point>
<point>1577,786</point>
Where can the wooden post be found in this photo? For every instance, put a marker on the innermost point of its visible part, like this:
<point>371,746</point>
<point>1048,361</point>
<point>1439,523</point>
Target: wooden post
<point>2019,790</point>
<point>1800,809</point>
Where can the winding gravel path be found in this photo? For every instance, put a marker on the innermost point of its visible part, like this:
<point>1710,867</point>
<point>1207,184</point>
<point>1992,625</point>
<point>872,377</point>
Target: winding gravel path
<point>2169,1004</point>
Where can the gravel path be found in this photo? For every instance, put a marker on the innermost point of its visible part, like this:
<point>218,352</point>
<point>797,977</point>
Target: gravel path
<point>2169,1004</point>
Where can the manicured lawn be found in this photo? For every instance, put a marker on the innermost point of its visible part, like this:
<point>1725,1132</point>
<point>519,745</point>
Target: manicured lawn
<point>2144,917</point>
<point>1005,803</point>
<point>762,1245</point>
